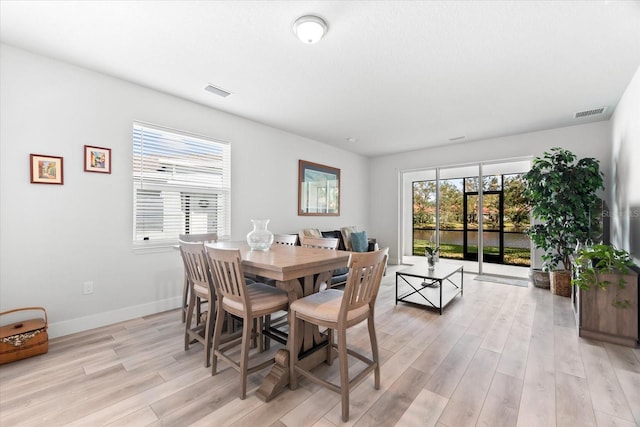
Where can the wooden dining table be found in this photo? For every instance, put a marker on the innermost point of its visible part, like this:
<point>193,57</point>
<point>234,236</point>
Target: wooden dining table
<point>300,271</point>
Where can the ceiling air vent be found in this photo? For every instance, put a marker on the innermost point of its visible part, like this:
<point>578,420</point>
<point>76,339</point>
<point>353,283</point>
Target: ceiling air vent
<point>457,138</point>
<point>218,91</point>
<point>588,113</point>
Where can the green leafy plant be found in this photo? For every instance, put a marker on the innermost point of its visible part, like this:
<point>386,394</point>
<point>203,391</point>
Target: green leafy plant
<point>561,191</point>
<point>431,251</point>
<point>595,261</point>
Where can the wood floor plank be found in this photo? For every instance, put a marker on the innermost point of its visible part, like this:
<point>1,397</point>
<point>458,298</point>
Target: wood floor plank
<point>500,408</point>
<point>514,355</point>
<point>465,405</point>
<point>438,350</point>
<point>607,420</point>
<point>141,417</point>
<point>567,351</point>
<point>267,414</point>
<point>538,400</point>
<point>425,410</point>
<point>395,401</point>
<point>314,408</point>
<point>630,384</point>
<point>498,333</point>
<point>606,393</point>
<point>573,401</point>
<point>445,379</point>
<point>622,358</point>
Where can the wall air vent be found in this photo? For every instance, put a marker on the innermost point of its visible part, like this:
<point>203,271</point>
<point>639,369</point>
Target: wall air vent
<point>588,113</point>
<point>220,92</point>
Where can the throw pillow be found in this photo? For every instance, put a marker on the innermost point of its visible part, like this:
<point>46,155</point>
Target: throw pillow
<point>359,241</point>
<point>346,236</point>
<point>310,232</point>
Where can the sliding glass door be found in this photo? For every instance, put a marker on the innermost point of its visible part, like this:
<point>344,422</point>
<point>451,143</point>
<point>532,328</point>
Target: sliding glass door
<point>453,204</point>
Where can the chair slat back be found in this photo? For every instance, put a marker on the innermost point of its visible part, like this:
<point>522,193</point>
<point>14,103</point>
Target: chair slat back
<point>365,274</point>
<point>228,276</point>
<point>285,239</point>
<point>320,242</point>
<point>202,237</point>
<point>196,266</point>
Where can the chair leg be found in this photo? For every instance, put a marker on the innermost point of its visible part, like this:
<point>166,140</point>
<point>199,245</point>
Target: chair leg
<point>185,297</point>
<point>329,360</point>
<point>293,353</point>
<point>259,334</point>
<point>217,334</point>
<point>344,373</point>
<point>374,351</point>
<point>208,332</point>
<point>244,356</point>
<point>267,326</point>
<point>198,310</point>
<point>187,325</point>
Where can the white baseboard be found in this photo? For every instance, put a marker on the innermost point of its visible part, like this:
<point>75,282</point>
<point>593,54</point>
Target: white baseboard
<point>85,323</point>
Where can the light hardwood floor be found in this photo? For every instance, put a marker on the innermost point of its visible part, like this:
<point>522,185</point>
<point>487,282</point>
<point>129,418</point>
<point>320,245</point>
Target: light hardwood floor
<point>501,355</point>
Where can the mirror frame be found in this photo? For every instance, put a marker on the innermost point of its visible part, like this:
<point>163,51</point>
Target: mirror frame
<point>331,193</point>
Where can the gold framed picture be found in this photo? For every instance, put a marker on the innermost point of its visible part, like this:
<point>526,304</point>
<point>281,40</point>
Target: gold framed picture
<point>46,169</point>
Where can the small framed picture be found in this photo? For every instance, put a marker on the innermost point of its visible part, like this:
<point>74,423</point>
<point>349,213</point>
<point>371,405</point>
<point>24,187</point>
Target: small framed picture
<point>97,159</point>
<point>46,169</point>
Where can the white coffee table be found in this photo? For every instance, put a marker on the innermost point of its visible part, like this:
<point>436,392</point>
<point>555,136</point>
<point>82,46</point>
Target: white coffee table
<point>432,288</point>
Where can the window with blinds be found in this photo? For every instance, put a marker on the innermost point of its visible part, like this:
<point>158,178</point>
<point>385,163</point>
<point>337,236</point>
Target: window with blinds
<point>181,185</point>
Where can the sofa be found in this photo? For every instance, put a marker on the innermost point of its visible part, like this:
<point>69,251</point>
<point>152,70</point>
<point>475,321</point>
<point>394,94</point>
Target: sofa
<point>339,276</point>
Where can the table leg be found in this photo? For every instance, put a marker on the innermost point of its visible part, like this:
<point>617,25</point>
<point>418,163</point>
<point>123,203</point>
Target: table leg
<point>311,341</point>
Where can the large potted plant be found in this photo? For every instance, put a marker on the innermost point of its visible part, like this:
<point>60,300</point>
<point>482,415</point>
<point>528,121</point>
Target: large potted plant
<point>561,191</point>
<point>606,295</point>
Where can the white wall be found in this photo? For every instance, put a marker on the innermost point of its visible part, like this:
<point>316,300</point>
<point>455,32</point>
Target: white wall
<point>53,238</point>
<point>588,140</point>
<point>625,166</point>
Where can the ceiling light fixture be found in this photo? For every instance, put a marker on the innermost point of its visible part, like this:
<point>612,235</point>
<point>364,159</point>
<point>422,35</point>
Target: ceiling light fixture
<point>310,28</point>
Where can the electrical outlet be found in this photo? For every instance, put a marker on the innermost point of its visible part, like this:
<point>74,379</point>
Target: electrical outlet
<point>87,288</point>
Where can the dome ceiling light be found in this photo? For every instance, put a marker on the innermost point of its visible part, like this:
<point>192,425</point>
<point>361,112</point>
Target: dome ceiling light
<point>310,29</point>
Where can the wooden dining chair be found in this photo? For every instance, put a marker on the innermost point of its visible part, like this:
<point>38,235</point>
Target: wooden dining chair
<point>249,302</point>
<point>323,243</point>
<point>340,310</point>
<point>199,280</point>
<point>203,238</point>
<point>285,239</point>
<point>319,242</point>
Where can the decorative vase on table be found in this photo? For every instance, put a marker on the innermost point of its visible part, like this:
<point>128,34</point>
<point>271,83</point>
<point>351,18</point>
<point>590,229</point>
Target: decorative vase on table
<point>432,256</point>
<point>260,238</point>
<point>431,261</point>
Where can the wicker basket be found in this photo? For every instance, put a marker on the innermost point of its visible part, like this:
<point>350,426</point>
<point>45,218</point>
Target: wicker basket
<point>540,279</point>
<point>561,283</point>
<point>23,339</point>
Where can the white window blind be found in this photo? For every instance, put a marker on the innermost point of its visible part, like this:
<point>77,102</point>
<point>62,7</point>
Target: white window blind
<point>181,184</point>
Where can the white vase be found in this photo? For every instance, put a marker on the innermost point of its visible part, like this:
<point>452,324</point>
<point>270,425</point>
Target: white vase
<point>260,238</point>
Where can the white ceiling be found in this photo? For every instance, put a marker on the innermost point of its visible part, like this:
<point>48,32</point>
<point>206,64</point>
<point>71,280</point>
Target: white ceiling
<point>396,75</point>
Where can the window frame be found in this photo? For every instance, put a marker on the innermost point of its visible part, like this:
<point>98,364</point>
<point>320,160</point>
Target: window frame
<point>187,175</point>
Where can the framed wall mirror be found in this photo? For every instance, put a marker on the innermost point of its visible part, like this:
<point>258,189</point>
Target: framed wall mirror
<point>318,189</point>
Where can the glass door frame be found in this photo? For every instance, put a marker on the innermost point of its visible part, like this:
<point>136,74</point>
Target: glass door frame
<point>470,256</point>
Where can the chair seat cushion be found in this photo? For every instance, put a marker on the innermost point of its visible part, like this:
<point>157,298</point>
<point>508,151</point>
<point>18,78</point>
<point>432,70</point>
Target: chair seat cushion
<point>263,297</point>
<point>325,306</point>
<point>201,291</point>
